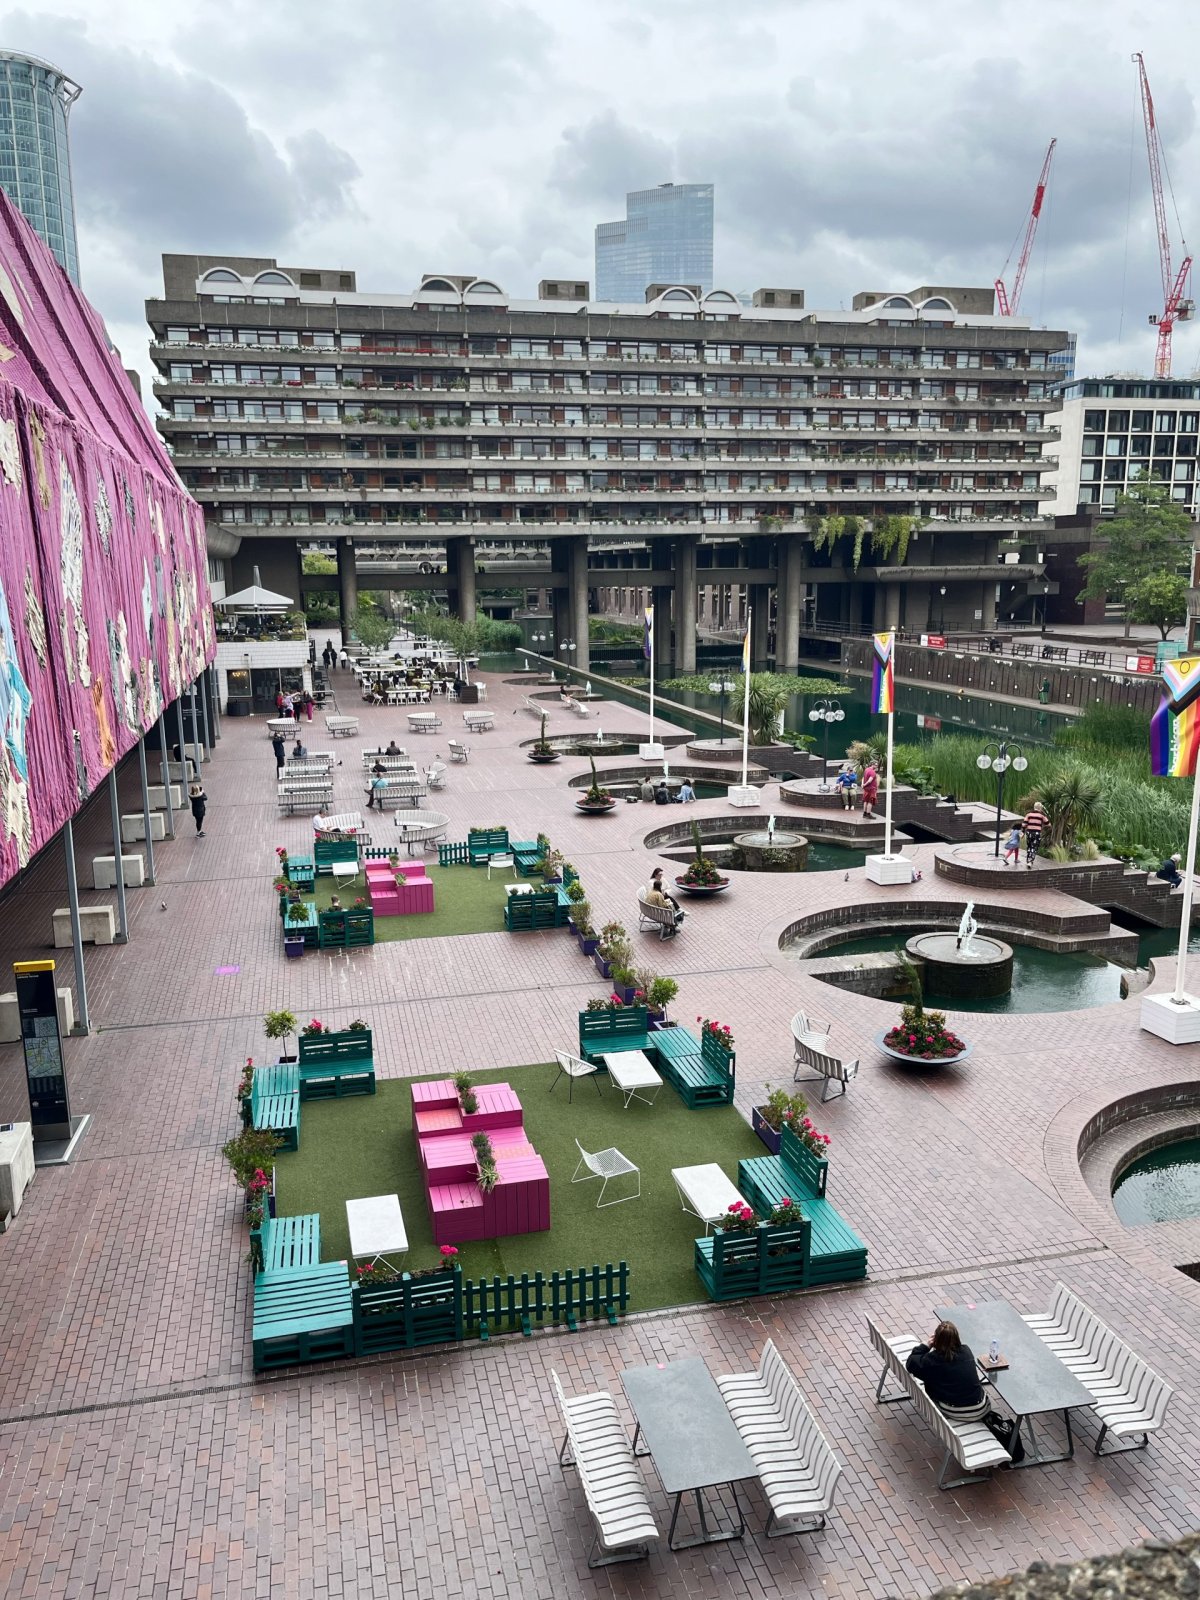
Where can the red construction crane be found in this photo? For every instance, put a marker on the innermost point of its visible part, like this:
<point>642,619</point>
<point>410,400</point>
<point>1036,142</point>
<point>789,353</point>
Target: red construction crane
<point>1007,306</point>
<point>1175,307</point>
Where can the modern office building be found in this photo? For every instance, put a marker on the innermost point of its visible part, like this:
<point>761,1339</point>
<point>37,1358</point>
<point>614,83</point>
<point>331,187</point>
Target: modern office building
<point>35,154</point>
<point>1122,428</point>
<point>666,237</point>
<point>682,445</point>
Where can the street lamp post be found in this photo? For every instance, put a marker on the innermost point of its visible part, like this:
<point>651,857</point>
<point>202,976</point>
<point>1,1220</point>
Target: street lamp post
<point>539,639</point>
<point>942,618</point>
<point>721,687</point>
<point>999,757</point>
<point>826,711</point>
<point>1045,593</point>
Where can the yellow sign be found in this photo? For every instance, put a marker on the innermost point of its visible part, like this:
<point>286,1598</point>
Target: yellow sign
<point>33,966</point>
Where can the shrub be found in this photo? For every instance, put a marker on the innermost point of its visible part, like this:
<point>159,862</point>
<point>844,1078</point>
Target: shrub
<point>779,1105</point>
<point>253,1150</point>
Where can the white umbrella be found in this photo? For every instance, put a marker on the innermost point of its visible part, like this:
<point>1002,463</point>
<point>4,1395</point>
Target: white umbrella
<point>256,598</point>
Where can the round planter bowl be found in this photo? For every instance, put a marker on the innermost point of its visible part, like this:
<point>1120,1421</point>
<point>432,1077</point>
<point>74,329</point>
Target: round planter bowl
<point>703,891</point>
<point>595,808</point>
<point>920,1061</point>
<point>543,760</point>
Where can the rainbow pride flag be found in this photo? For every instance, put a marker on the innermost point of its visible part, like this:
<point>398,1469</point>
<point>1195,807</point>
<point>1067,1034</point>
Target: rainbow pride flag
<point>648,635</point>
<point>746,652</point>
<point>1174,740</point>
<point>883,683</point>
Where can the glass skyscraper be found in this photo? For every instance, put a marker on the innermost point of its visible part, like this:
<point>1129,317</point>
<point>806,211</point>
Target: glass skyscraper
<point>666,237</point>
<point>35,158</point>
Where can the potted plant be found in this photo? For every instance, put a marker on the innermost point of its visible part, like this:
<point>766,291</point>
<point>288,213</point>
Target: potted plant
<point>552,865</point>
<point>614,949</point>
<point>581,922</point>
<point>779,1107</point>
<point>281,1025</point>
<point>313,1026</point>
<point>358,1026</point>
<point>921,1037</point>
<point>739,1218</point>
<point>252,1152</point>
<point>625,986</point>
<point>542,752</point>
<point>701,880</point>
<point>659,993</point>
<point>596,800</point>
<point>464,1088</point>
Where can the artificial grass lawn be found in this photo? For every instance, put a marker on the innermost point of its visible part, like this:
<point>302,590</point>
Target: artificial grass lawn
<point>364,1145</point>
<point>463,902</point>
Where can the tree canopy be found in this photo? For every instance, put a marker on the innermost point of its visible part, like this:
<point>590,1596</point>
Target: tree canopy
<point>1160,599</point>
<point>1149,535</point>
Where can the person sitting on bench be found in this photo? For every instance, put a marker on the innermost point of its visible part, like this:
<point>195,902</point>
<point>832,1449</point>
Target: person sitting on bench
<point>1169,871</point>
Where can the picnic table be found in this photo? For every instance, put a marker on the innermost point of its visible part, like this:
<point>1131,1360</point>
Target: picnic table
<point>376,1226</point>
<point>694,1442</point>
<point>705,1191</point>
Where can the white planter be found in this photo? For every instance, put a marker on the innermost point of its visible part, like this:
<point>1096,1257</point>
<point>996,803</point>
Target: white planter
<point>1177,1024</point>
<point>652,751</point>
<point>744,795</point>
<point>889,870</point>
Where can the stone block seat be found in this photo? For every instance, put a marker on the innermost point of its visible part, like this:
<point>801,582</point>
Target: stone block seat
<point>97,925</point>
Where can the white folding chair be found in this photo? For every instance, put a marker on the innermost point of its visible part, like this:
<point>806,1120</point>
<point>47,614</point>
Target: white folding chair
<point>502,863</point>
<point>810,1032</point>
<point>606,1165</point>
<point>572,1067</point>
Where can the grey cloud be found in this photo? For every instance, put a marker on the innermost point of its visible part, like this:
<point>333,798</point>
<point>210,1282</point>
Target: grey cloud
<point>598,161</point>
<point>322,173</point>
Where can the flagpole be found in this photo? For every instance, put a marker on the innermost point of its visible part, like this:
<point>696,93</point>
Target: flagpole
<point>1189,868</point>
<point>746,706</point>
<point>650,633</point>
<point>887,807</point>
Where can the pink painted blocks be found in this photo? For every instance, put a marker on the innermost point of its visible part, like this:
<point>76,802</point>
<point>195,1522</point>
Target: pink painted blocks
<point>399,891</point>
<point>459,1211</point>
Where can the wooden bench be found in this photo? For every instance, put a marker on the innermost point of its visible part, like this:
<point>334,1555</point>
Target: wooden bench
<point>1126,1395</point>
<point>397,787</point>
<point>701,1071</point>
<point>300,871</point>
<point>1022,650</point>
<point>597,1446</point>
<point>525,913</point>
<point>280,1244</point>
<point>328,851</point>
<point>342,727</point>
<point>302,1314</point>
<point>824,1068</point>
<point>796,1464</point>
<point>478,721</point>
<point>335,1064</point>
<point>838,1254</point>
<point>972,1444</point>
<point>607,1032</point>
<point>660,917</point>
<point>483,843</point>
<point>307,794</point>
<point>275,1102</point>
<point>1053,652</point>
<point>527,855</point>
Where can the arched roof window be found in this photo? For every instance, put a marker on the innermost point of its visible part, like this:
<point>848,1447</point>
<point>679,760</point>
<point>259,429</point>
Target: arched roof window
<point>274,276</point>
<point>678,294</point>
<point>898,302</point>
<point>937,303</point>
<point>221,275</point>
<point>482,286</point>
<point>722,296</point>
<point>439,286</point>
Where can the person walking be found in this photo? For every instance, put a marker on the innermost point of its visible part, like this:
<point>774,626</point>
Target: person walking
<point>308,705</point>
<point>1012,846</point>
<point>280,750</point>
<point>870,789</point>
<point>288,709</point>
<point>1035,822</point>
<point>198,801</point>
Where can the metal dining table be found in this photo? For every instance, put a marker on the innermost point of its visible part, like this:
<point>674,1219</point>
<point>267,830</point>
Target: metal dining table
<point>691,1437</point>
<point>1034,1382</point>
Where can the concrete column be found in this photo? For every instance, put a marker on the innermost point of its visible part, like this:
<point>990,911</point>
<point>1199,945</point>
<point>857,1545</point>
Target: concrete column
<point>122,934</point>
<point>891,606</point>
<point>83,1023</point>
<point>166,756</point>
<point>347,585</point>
<point>214,699</point>
<point>685,604</point>
<point>787,602</point>
<point>560,591</point>
<point>578,589</point>
<point>988,605</point>
<point>760,622</point>
<point>202,688</point>
<point>197,747</point>
<point>460,568</point>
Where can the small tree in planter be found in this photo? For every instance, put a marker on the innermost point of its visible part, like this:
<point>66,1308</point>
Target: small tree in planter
<point>614,949</point>
<point>542,751</point>
<point>701,876</point>
<point>659,994</point>
<point>596,798</point>
<point>280,1025</point>
<point>780,1107</point>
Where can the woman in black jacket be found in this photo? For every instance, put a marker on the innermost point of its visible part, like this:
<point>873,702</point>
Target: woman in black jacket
<point>947,1368</point>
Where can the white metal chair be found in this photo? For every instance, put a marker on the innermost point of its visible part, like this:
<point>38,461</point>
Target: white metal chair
<point>435,776</point>
<point>606,1165</point>
<point>809,1031</point>
<point>459,751</point>
<point>572,1067</point>
<point>502,863</point>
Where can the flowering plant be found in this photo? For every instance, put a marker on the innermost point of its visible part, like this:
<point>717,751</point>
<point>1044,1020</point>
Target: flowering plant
<point>282,855</point>
<point>449,1255</point>
<point>615,1003</point>
<point>314,1026</point>
<point>376,1272</point>
<point>701,872</point>
<point>923,1035</point>
<point>785,1213</point>
<point>719,1030</point>
<point>360,904</point>
<point>813,1141</point>
<point>281,886</point>
<point>256,1198</point>
<point>247,1078</point>
<point>738,1219</point>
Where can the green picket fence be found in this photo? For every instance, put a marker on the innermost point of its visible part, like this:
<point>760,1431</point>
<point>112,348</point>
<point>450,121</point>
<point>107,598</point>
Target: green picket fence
<point>511,1304</point>
<point>453,855</point>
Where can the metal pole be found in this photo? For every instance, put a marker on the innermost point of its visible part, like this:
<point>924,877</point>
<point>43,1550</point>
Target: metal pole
<point>165,766</point>
<point>1000,800</point>
<point>825,747</point>
<point>208,744</point>
<point>84,1025</point>
<point>146,811</point>
<point>115,808</point>
<point>183,755</point>
<point>214,700</point>
<point>197,748</point>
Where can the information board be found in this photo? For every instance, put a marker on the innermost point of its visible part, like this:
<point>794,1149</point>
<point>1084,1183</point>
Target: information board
<point>45,1069</point>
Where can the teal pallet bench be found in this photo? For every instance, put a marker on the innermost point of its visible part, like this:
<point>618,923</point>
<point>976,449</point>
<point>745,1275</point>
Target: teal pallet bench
<point>347,929</point>
<point>281,1244</point>
<point>701,1071</point>
<point>303,1314</point>
<point>275,1102</point>
<point>336,1064</point>
<point>767,1261</point>
<point>528,857</point>
<point>300,871</point>
<point>327,851</point>
<point>483,843</point>
<point>837,1254</point>
<point>453,855</point>
<point>525,913</point>
<point>606,1032</point>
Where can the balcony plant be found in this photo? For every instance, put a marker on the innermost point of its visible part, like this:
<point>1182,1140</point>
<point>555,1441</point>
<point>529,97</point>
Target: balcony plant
<point>739,1218</point>
<point>281,1025</point>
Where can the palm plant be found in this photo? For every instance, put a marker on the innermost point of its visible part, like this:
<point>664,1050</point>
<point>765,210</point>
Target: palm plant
<point>767,703</point>
<point>1072,799</point>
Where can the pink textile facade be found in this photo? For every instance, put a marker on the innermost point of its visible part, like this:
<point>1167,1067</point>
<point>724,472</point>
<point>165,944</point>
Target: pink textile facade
<point>105,612</point>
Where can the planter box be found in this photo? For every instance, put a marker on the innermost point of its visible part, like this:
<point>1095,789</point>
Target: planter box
<point>770,1136</point>
<point>293,947</point>
<point>409,1312</point>
<point>588,943</point>
<point>602,966</point>
<point>660,1026</point>
<point>769,1261</point>
<point>625,992</point>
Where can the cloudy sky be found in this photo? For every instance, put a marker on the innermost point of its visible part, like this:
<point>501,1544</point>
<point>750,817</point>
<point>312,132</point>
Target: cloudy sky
<point>853,143</point>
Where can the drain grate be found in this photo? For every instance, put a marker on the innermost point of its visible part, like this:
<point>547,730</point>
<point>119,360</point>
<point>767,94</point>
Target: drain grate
<point>1192,1271</point>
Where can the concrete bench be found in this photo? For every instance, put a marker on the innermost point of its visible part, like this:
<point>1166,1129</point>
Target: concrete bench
<point>972,1444</point>
<point>97,925</point>
<point>796,1466</point>
<point>1126,1396</point>
<point>10,1017</point>
<point>104,871</point>
<point>176,771</point>
<point>478,721</point>
<point>158,796</point>
<point>133,826</point>
<point>597,1446</point>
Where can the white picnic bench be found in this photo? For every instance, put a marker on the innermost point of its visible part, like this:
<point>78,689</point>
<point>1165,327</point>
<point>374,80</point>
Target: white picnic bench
<point>421,827</point>
<point>305,794</point>
<point>597,1446</point>
<point>396,787</point>
<point>423,722</point>
<point>370,757</point>
<point>285,727</point>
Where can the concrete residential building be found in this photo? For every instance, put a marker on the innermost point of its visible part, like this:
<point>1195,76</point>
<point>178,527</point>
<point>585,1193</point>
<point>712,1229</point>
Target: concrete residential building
<point>35,156</point>
<point>1122,428</point>
<point>666,237</point>
<point>684,444</point>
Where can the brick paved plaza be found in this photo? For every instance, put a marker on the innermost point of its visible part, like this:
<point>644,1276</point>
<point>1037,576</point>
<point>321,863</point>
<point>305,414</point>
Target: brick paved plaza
<point>141,1457</point>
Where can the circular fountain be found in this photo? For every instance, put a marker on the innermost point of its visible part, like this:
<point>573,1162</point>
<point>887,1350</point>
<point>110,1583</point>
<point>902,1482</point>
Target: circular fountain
<point>770,849</point>
<point>967,964</point>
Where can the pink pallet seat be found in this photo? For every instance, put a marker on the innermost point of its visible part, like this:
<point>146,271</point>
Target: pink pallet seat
<point>448,1120</point>
<point>384,902</point>
<point>456,1213</point>
<point>447,1158</point>
<point>434,1094</point>
<point>412,869</point>
<point>498,1108</point>
<point>416,895</point>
